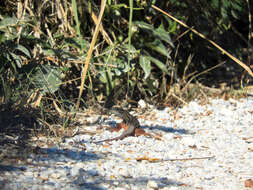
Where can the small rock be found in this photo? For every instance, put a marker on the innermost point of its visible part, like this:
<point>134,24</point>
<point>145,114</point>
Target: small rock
<point>74,171</point>
<point>250,147</point>
<point>28,173</point>
<point>166,188</point>
<point>44,176</point>
<point>119,188</point>
<point>124,172</point>
<point>171,188</point>
<point>56,175</point>
<point>189,141</point>
<point>142,104</point>
<point>93,119</point>
<point>152,185</point>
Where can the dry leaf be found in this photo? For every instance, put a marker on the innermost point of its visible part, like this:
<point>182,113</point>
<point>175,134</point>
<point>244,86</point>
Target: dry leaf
<point>177,137</point>
<point>208,113</point>
<point>112,177</point>
<point>148,159</point>
<point>106,145</point>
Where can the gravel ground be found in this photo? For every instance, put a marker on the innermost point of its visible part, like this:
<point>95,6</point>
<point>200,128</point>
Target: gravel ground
<point>195,147</point>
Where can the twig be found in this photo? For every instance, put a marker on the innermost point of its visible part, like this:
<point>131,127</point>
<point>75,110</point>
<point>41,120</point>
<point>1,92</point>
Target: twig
<point>201,73</point>
<point>186,159</point>
<point>103,32</point>
<point>178,98</point>
<point>49,126</point>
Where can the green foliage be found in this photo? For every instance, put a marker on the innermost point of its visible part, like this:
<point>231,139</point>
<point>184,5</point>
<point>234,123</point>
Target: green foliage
<point>46,47</point>
<point>47,78</point>
<point>222,21</point>
<point>11,53</point>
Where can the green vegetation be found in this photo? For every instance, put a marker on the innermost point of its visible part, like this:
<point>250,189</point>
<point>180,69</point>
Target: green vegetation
<point>44,45</point>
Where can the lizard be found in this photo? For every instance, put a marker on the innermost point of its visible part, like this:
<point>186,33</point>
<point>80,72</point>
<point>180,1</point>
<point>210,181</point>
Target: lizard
<point>128,119</point>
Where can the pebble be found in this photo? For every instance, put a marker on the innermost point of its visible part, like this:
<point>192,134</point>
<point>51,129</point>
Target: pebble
<point>201,147</point>
<point>152,185</point>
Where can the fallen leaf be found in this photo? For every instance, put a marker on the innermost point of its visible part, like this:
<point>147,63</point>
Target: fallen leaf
<point>183,185</point>
<point>177,137</point>
<point>106,145</point>
<point>148,159</point>
<point>112,176</point>
<point>193,146</point>
<point>208,113</point>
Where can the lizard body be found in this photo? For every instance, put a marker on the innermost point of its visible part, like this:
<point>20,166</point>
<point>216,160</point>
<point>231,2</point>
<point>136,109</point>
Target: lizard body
<point>128,119</point>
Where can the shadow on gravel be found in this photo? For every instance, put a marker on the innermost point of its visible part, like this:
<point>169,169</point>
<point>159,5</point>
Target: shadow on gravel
<point>17,125</point>
<point>9,168</point>
<point>167,129</point>
<point>87,180</point>
<point>60,155</point>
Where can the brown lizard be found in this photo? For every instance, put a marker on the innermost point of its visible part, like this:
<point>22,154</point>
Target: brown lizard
<point>128,119</point>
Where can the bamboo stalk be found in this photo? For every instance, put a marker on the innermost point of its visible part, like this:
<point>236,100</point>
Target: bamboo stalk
<point>87,61</point>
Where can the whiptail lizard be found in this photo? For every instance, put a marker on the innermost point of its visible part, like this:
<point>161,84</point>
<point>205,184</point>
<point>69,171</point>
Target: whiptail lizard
<point>128,119</point>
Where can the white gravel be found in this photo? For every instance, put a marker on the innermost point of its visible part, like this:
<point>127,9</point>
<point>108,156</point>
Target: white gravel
<point>196,147</point>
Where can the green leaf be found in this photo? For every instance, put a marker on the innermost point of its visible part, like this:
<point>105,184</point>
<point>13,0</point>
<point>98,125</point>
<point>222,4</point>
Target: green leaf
<point>122,66</point>
<point>159,64</point>
<point>9,60</point>
<point>77,42</point>
<point>237,6</point>
<point>215,3</point>
<point>48,52</point>
<point>163,35</point>
<point>151,84</point>
<point>47,78</point>
<point>119,6</point>
<point>109,82</point>
<point>145,65</point>
<point>8,21</point>
<point>75,12</point>
<point>132,49</point>
<point>226,4</point>
<point>158,46</point>
<point>23,50</point>
<point>157,33</point>
<point>143,25</point>
<point>17,59</point>
<point>102,77</point>
<point>173,28</point>
<point>2,38</point>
